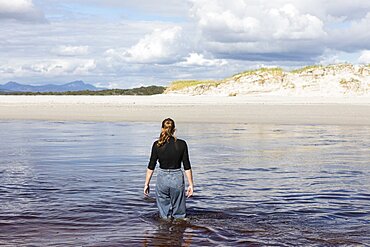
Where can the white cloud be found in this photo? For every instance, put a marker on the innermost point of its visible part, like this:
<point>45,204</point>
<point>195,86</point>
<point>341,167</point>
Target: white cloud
<point>33,54</point>
<point>196,59</point>
<point>331,57</point>
<point>226,22</point>
<point>160,46</point>
<point>172,8</point>
<point>109,85</point>
<point>23,10</point>
<point>354,37</point>
<point>68,50</point>
<point>49,68</point>
<point>163,45</point>
<point>326,10</point>
<point>288,23</point>
<point>258,30</point>
<point>364,57</point>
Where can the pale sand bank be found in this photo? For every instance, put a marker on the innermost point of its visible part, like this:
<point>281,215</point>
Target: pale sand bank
<point>183,108</point>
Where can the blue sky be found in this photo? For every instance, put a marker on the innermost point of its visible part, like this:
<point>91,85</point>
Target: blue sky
<point>124,44</point>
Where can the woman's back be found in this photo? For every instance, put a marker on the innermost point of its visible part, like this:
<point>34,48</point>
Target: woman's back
<point>170,155</point>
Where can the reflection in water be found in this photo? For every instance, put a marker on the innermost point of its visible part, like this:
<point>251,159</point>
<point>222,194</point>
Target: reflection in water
<point>168,233</point>
<point>80,184</point>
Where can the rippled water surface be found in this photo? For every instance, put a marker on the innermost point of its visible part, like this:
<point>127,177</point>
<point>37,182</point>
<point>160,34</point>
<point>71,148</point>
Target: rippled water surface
<point>80,184</point>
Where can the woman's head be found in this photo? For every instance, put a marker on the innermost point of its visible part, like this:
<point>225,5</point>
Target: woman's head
<point>168,130</point>
<point>169,125</point>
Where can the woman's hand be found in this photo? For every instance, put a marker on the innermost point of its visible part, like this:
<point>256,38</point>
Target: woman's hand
<point>189,175</point>
<point>190,190</point>
<point>148,176</point>
<point>146,190</point>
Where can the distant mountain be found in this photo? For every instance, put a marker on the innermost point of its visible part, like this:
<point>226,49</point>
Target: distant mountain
<point>72,86</point>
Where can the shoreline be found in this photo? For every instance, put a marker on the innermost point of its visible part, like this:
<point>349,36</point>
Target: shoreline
<point>184,108</point>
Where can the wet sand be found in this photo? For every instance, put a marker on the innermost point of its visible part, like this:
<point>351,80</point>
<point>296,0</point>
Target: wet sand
<point>213,109</point>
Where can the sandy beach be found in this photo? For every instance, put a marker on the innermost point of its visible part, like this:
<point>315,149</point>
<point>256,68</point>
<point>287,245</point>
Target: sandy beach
<point>185,108</point>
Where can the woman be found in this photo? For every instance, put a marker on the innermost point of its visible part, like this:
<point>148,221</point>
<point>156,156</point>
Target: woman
<point>170,187</point>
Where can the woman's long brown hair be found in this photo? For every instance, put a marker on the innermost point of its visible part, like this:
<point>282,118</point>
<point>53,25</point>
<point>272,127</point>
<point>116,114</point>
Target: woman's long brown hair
<point>168,130</point>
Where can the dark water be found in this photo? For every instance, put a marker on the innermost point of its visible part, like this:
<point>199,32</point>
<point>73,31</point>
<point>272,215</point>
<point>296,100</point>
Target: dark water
<point>80,184</point>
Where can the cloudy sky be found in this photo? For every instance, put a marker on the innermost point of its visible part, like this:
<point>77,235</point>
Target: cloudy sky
<point>124,44</point>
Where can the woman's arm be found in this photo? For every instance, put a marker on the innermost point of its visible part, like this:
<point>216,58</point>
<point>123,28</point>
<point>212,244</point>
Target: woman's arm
<point>149,174</point>
<point>151,167</point>
<point>189,175</point>
<point>188,172</point>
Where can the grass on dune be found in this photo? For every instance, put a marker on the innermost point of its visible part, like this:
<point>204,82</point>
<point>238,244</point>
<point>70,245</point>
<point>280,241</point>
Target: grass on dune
<point>303,69</point>
<point>181,84</point>
<point>275,71</point>
<point>177,85</point>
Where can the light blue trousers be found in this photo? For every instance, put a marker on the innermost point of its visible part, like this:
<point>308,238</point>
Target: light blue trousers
<point>170,193</point>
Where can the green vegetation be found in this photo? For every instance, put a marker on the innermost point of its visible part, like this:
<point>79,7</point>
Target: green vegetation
<point>351,81</point>
<point>351,84</point>
<point>306,68</point>
<point>177,85</point>
<point>343,82</point>
<point>150,90</point>
<point>341,66</point>
<point>275,71</point>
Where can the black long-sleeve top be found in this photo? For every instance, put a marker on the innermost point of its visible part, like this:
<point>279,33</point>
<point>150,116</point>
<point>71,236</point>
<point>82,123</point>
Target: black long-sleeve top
<point>170,155</point>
